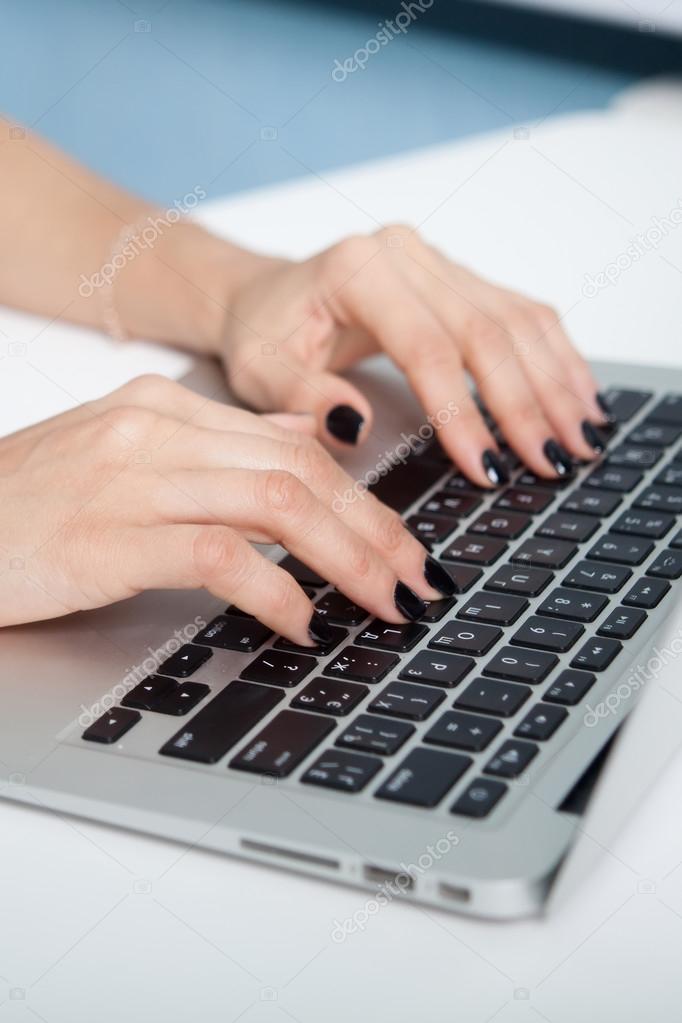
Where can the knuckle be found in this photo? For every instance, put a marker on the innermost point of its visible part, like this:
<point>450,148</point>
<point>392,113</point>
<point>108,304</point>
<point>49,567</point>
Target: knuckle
<point>349,255</point>
<point>432,355</point>
<point>545,315</point>
<point>310,461</point>
<point>282,492</point>
<point>391,533</point>
<point>121,426</point>
<point>216,553</point>
<point>283,595</point>
<point>484,336</point>
<point>148,387</point>
<point>360,561</point>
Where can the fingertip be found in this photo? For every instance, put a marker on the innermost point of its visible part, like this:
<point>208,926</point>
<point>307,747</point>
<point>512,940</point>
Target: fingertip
<point>345,425</point>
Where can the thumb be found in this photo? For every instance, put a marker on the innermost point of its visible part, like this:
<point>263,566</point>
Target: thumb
<point>342,413</point>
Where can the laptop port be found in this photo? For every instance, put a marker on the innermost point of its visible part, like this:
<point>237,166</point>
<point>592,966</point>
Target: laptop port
<point>399,879</point>
<point>454,893</point>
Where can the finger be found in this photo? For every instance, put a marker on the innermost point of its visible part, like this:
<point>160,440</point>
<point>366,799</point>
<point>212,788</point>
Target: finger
<point>274,506</point>
<point>382,302</point>
<point>214,557</point>
<point>297,422</point>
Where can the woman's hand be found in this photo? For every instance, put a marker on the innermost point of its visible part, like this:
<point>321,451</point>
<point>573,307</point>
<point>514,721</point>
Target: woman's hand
<point>155,487</point>
<point>291,327</point>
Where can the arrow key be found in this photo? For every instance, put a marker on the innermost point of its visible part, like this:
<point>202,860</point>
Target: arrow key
<point>182,699</point>
<point>111,726</point>
<point>511,759</point>
<point>185,661</point>
<point>147,694</point>
<point>541,722</point>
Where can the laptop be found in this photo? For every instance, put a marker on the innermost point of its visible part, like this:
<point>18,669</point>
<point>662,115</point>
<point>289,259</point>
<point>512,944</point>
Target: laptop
<point>476,761</point>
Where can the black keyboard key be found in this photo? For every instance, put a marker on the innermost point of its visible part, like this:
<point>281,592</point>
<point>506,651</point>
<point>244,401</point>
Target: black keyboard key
<point>479,798</point>
<point>543,553</point>
<point>437,609</point>
<point>185,661</point>
<point>112,726</point>
<point>424,777</point>
<point>620,549</point>
<point>668,410</point>
<point>463,576</point>
<point>499,523</point>
<point>529,479</point>
<point>336,769</point>
<point>526,582</point>
<point>232,632</point>
<point>647,593</point>
<point>488,696</point>
<point>437,669</point>
<point>676,541</point>
<point>663,499</point>
<point>668,565</point>
<point>301,573</point>
<point>501,609</point>
<point>642,523</point>
<point>477,550</point>
<point>596,654</point>
<point>564,526</point>
<point>147,693</point>
<point>182,698</point>
<point>406,483</point>
<point>541,722</point>
<point>521,665</point>
<point>570,687</point>
<point>611,477</point>
<point>590,575</point>
<point>469,732</point>
<point>576,605</point>
<point>622,623</point>
<point>592,502</point>
<point>360,665</point>
<point>337,635</point>
<point>386,636</point>
<point>330,696</point>
<point>402,700</point>
<point>554,635</point>
<point>375,735</point>
<point>624,404</point>
<point>530,501</point>
<point>279,668</point>
<point>471,639</point>
<point>339,610</point>
<point>431,529</point>
<point>284,742</point>
<point>460,483</point>
<point>656,434</point>
<point>670,476</point>
<point>222,722</point>
<point>450,504</point>
<point>512,759</point>
<point>633,456</point>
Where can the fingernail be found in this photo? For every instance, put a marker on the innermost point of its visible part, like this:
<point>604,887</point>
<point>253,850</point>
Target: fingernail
<point>604,406</point>
<point>344,423</point>
<point>561,461</point>
<point>592,436</point>
<point>438,577</point>
<point>408,603</point>
<point>494,468</point>
<point>319,629</point>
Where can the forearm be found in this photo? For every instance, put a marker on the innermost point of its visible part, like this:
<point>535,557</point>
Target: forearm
<point>59,226</point>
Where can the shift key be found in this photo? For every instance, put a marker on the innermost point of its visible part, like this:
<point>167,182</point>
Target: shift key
<point>283,744</point>
<point>222,722</point>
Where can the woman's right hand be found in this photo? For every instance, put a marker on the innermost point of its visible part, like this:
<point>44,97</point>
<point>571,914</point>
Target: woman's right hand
<point>154,486</point>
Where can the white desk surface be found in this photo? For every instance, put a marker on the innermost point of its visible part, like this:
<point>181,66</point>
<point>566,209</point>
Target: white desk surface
<point>106,925</point>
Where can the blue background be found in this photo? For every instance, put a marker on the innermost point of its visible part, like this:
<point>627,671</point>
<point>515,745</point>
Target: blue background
<point>233,94</point>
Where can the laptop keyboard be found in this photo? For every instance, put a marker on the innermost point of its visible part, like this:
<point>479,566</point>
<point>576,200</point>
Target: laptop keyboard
<point>548,596</point>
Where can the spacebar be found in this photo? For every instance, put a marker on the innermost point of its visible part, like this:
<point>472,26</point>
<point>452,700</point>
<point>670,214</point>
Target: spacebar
<point>405,483</point>
<point>222,722</point>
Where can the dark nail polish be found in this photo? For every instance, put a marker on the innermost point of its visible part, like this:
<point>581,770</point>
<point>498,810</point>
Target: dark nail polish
<point>319,630</point>
<point>408,603</point>
<point>561,461</point>
<point>604,406</point>
<point>494,468</point>
<point>344,423</point>
<point>593,436</point>
<point>439,577</point>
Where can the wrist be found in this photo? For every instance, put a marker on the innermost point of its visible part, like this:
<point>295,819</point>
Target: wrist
<point>180,291</point>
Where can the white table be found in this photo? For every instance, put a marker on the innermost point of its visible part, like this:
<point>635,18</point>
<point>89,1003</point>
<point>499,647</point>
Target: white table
<point>102,925</point>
